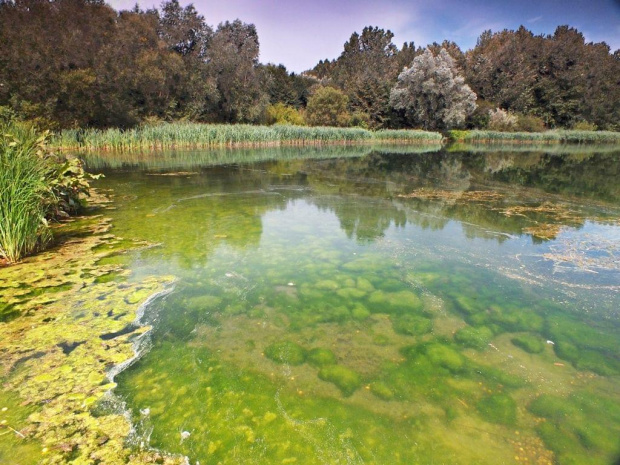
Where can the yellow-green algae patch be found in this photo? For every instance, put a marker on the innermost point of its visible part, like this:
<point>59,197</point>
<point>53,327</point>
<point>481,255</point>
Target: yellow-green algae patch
<point>66,329</point>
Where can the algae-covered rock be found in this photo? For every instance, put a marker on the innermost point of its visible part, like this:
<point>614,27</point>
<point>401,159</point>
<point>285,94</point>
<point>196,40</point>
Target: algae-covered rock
<point>321,357</point>
<point>516,319</point>
<point>445,356</point>
<point>411,325</point>
<point>529,342</point>
<point>394,302</point>
<point>204,302</point>
<point>468,305</point>
<point>476,338</point>
<point>365,285</point>
<point>360,312</point>
<point>382,391</point>
<point>581,428</point>
<point>345,379</point>
<point>498,408</point>
<point>586,346</point>
<point>327,285</point>
<point>351,293</point>
<point>286,352</point>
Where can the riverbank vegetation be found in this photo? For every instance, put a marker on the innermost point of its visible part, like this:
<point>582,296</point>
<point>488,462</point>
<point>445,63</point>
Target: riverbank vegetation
<point>35,187</point>
<point>546,137</point>
<point>70,64</point>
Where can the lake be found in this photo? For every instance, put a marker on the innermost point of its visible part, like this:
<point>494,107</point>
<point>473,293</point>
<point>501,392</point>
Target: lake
<point>342,305</point>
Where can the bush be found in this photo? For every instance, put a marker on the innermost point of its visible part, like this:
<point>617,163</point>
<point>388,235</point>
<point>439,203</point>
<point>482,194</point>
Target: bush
<point>479,119</point>
<point>584,126</point>
<point>328,107</point>
<point>359,119</point>
<point>530,123</point>
<point>502,120</point>
<point>284,114</point>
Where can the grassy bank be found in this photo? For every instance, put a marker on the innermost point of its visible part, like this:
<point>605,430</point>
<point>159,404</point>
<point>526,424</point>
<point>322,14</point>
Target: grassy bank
<point>192,135</point>
<point>547,137</point>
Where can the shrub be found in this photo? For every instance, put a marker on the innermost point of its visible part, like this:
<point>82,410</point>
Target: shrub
<point>284,114</point>
<point>360,119</point>
<point>328,107</point>
<point>502,120</point>
<point>530,123</point>
<point>584,126</point>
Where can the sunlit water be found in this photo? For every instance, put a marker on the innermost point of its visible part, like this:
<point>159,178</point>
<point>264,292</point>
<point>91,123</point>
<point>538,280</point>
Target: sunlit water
<point>444,308</point>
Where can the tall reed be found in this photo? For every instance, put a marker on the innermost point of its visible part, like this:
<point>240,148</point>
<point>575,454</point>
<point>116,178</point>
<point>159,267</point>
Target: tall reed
<point>194,135</point>
<point>547,137</point>
<point>24,191</point>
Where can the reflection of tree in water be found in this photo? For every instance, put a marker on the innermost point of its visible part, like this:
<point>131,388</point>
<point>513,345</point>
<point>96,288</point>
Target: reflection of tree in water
<point>363,219</point>
<point>521,179</point>
<point>222,206</point>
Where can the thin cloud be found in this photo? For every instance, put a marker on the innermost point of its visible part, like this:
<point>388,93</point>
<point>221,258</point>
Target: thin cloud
<point>535,19</point>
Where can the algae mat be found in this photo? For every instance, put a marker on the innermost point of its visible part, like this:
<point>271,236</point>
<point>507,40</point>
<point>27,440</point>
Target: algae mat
<point>67,324</point>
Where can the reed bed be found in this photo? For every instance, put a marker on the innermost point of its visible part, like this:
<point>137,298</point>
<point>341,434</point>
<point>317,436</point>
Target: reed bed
<point>193,135</point>
<point>547,137</point>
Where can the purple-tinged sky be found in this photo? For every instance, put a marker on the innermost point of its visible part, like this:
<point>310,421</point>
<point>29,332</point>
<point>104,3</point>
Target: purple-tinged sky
<point>299,33</point>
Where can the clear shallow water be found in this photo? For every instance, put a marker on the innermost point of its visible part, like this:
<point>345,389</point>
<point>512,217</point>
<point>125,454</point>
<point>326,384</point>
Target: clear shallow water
<point>419,308</point>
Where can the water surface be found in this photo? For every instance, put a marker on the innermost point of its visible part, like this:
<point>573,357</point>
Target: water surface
<point>347,307</point>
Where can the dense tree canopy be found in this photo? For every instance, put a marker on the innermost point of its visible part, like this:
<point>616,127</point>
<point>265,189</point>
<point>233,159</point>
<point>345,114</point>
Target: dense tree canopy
<point>560,78</point>
<point>80,63</point>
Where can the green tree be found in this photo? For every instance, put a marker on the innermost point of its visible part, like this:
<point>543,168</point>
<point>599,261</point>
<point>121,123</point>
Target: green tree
<point>328,107</point>
<point>432,93</point>
<point>186,33</point>
<point>366,71</point>
<point>289,89</point>
<point>233,58</point>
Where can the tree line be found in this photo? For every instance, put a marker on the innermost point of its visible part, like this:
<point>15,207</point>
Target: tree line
<point>80,63</point>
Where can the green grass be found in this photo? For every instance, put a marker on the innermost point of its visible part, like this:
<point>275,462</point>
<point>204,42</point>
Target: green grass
<point>24,191</point>
<point>547,137</point>
<point>171,135</point>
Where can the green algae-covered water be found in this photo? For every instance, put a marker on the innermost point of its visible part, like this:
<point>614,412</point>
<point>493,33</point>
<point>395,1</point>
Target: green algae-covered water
<point>340,307</point>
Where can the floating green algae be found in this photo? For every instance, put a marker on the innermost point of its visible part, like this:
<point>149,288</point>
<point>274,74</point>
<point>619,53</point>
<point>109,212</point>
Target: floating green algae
<point>56,356</point>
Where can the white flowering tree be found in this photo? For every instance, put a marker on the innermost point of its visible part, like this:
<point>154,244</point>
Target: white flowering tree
<point>432,93</point>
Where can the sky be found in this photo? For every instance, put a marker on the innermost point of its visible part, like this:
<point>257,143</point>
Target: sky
<point>299,33</point>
